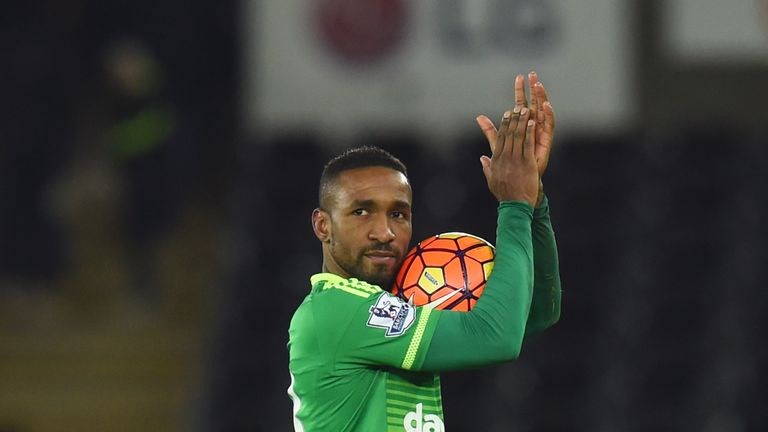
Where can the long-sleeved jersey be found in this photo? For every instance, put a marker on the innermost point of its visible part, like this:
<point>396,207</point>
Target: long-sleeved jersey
<point>362,359</point>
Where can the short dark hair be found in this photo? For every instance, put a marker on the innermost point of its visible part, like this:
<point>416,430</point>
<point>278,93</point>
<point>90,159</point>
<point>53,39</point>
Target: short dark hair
<point>357,157</point>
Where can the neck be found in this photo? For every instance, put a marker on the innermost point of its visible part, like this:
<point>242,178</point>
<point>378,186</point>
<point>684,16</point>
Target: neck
<point>329,266</point>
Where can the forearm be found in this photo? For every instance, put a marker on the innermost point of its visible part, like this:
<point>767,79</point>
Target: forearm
<point>493,330</point>
<point>545,306</point>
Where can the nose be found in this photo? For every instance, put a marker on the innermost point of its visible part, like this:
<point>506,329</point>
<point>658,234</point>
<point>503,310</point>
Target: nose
<point>380,230</point>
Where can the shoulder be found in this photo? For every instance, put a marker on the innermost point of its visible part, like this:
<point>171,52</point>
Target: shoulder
<point>332,287</point>
<point>334,301</point>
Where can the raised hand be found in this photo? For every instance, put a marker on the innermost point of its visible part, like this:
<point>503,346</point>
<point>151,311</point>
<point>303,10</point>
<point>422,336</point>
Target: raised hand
<point>511,171</point>
<point>541,112</point>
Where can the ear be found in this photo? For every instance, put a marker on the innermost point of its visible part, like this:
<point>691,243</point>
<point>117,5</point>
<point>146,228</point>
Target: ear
<point>321,224</point>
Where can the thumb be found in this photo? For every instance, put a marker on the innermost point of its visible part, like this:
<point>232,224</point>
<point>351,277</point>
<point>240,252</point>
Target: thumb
<point>486,163</point>
<point>489,130</point>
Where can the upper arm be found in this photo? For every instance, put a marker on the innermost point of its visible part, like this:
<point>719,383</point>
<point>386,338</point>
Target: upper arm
<point>385,330</point>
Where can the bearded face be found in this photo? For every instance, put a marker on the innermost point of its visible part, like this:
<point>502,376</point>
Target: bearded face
<point>367,229</point>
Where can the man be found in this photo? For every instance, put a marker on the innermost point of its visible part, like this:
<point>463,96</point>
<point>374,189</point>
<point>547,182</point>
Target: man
<point>349,375</point>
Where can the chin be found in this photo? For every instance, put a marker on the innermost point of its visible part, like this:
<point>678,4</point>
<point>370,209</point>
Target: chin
<point>383,281</point>
<point>381,275</point>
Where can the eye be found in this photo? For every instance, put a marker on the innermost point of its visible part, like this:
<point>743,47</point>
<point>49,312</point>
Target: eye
<point>400,215</point>
<point>360,212</point>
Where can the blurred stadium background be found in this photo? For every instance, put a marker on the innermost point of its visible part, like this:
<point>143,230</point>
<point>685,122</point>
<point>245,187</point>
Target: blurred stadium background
<point>158,166</point>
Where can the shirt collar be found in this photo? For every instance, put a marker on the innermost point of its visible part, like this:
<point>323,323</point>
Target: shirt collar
<point>325,277</point>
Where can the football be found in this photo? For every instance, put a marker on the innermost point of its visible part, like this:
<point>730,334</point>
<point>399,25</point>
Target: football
<point>447,271</point>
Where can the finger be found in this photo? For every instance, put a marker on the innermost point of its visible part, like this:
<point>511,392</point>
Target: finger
<point>530,140</point>
<point>544,138</point>
<point>501,136</point>
<point>520,99</point>
<point>519,134</point>
<point>541,93</point>
<point>549,116</point>
<point>537,89</point>
<point>489,130</point>
<point>509,133</point>
<point>486,163</point>
<point>533,79</point>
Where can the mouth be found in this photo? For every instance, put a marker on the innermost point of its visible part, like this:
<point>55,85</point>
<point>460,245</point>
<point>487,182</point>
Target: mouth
<point>381,257</point>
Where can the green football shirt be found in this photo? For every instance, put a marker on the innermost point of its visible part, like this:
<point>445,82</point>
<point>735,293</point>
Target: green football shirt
<point>352,348</point>
<point>362,359</point>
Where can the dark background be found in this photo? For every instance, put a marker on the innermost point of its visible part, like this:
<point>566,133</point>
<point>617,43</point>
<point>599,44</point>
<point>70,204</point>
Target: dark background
<point>151,254</point>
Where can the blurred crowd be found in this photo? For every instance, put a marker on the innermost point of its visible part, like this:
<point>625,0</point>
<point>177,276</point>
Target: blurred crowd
<point>117,134</point>
<point>116,126</point>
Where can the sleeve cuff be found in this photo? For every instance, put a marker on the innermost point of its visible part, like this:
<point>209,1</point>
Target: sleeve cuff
<point>543,210</point>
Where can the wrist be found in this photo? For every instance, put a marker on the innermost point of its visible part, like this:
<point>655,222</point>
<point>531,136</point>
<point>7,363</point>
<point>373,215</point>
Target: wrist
<point>540,196</point>
<point>523,205</point>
